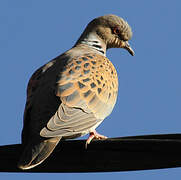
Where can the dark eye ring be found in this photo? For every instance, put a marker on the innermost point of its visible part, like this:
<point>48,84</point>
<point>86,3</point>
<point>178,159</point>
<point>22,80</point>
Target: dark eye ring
<point>116,30</point>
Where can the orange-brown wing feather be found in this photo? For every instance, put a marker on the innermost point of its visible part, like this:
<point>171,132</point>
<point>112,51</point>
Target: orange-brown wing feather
<point>88,90</point>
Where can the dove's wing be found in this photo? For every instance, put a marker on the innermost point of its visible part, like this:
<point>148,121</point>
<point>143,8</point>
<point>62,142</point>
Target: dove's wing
<point>87,88</point>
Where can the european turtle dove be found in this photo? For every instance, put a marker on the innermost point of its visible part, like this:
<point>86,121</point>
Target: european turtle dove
<point>72,94</point>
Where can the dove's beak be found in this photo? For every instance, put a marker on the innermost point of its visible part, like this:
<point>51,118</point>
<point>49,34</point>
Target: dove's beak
<point>128,48</point>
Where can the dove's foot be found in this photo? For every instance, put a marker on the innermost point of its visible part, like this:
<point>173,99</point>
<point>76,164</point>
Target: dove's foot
<point>94,135</point>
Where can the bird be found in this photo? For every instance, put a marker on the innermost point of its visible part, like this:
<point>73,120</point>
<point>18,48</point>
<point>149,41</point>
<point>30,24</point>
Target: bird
<point>72,94</point>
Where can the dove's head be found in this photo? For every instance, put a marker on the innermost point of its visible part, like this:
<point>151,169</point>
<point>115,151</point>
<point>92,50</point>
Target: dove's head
<point>112,30</point>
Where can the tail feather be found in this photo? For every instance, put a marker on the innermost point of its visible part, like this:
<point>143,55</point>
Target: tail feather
<point>36,153</point>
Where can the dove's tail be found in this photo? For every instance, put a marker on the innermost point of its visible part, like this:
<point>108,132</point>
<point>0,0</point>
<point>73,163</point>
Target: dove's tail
<point>36,153</point>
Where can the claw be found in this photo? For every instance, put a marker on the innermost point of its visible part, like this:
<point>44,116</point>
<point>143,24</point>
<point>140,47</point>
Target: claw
<point>94,135</point>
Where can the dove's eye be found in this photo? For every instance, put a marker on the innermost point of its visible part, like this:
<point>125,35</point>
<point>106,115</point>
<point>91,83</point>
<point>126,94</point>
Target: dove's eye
<point>116,30</point>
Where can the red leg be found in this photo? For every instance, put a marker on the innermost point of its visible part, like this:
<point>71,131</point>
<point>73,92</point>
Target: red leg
<point>94,135</point>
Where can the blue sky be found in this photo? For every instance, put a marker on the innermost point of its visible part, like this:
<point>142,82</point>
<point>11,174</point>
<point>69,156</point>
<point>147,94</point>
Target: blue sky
<point>33,32</point>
